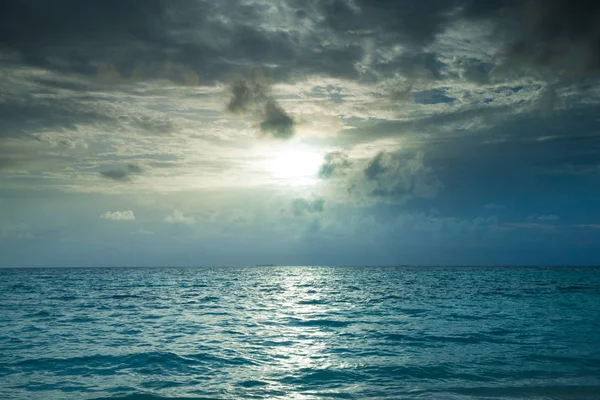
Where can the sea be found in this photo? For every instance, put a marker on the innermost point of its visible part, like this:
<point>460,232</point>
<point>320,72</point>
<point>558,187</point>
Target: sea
<point>302,332</point>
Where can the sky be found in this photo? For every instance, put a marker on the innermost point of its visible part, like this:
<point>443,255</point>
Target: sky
<point>299,132</point>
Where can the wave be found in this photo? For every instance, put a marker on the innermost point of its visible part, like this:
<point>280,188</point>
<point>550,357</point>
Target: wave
<point>149,362</point>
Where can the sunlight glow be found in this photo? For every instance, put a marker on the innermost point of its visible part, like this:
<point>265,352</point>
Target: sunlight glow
<point>294,165</point>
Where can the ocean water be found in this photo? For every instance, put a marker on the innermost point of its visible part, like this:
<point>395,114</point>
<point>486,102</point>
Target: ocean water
<point>300,333</point>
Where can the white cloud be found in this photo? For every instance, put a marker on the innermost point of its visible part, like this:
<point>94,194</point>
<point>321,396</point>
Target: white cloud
<point>177,217</point>
<point>145,232</point>
<point>119,215</point>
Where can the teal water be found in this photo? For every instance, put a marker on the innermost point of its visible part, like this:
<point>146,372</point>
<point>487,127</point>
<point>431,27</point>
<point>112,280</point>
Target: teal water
<point>300,333</point>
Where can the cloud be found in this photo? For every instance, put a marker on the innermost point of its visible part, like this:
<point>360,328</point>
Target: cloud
<point>62,44</point>
<point>178,218</point>
<point>246,94</point>
<point>118,215</point>
<point>25,115</point>
<point>399,176</point>
<point>387,176</point>
<point>252,96</point>
<point>302,206</point>
<point>589,226</point>
<point>124,173</point>
<point>419,66</point>
<point>335,163</point>
<point>277,122</point>
<point>476,71</point>
<point>561,36</point>
<point>195,42</point>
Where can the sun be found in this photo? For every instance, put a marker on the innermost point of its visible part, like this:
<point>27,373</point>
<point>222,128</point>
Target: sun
<point>294,164</point>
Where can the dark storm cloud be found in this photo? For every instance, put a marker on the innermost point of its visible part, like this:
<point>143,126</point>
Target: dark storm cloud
<point>560,35</point>
<point>416,23</point>
<point>160,38</point>
<point>546,36</point>
<point>124,173</point>
<point>94,36</point>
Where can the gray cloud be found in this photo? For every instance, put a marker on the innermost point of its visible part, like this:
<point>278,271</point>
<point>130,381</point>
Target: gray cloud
<point>124,173</point>
<point>277,122</point>
<point>419,65</point>
<point>153,126</point>
<point>335,163</point>
<point>399,176</point>
<point>205,41</point>
<point>561,35</point>
<point>388,177</point>
<point>200,42</point>
<point>247,94</point>
<point>27,114</point>
<point>416,24</point>
<point>253,96</point>
<point>475,70</point>
<point>377,166</point>
<point>70,36</point>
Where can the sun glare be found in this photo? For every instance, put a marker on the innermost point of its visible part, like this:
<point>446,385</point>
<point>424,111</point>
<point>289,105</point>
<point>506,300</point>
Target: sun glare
<point>294,165</point>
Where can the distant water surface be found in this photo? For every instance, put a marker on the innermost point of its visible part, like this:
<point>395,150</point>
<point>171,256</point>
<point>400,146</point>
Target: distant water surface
<point>300,333</point>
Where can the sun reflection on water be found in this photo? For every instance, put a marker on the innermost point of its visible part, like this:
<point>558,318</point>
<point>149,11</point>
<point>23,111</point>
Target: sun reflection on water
<point>300,327</point>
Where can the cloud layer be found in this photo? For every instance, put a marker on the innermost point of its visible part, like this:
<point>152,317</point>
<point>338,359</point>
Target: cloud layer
<point>311,123</point>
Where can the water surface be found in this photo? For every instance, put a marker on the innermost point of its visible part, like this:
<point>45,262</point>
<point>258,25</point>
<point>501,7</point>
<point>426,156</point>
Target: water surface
<point>300,333</point>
